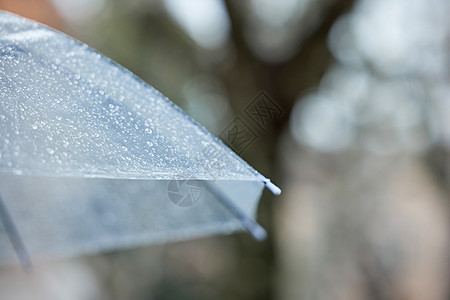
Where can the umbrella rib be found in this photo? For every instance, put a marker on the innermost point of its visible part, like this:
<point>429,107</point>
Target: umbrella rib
<point>14,237</point>
<point>256,230</point>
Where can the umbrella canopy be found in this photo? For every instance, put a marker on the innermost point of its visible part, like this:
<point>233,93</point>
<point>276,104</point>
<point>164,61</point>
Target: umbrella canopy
<point>94,159</point>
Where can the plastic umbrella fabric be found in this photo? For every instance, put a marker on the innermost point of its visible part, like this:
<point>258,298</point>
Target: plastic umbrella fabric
<point>94,159</point>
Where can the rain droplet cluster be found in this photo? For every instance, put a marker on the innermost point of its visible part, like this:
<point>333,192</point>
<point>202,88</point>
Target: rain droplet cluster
<point>67,110</point>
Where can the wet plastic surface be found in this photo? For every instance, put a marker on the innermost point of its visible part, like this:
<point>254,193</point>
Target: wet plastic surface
<point>88,151</point>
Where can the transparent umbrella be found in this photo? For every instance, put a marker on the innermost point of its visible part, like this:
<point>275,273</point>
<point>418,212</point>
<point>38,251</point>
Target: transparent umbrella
<point>94,159</point>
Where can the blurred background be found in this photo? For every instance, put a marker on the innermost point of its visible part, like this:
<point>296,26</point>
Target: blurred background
<point>360,145</point>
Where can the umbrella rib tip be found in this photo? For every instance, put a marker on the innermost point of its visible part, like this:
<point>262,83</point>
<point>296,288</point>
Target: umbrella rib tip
<point>258,232</point>
<point>270,185</point>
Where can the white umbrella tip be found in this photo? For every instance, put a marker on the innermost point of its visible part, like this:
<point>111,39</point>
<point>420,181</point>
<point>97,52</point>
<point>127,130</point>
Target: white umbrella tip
<point>258,232</point>
<point>271,186</point>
